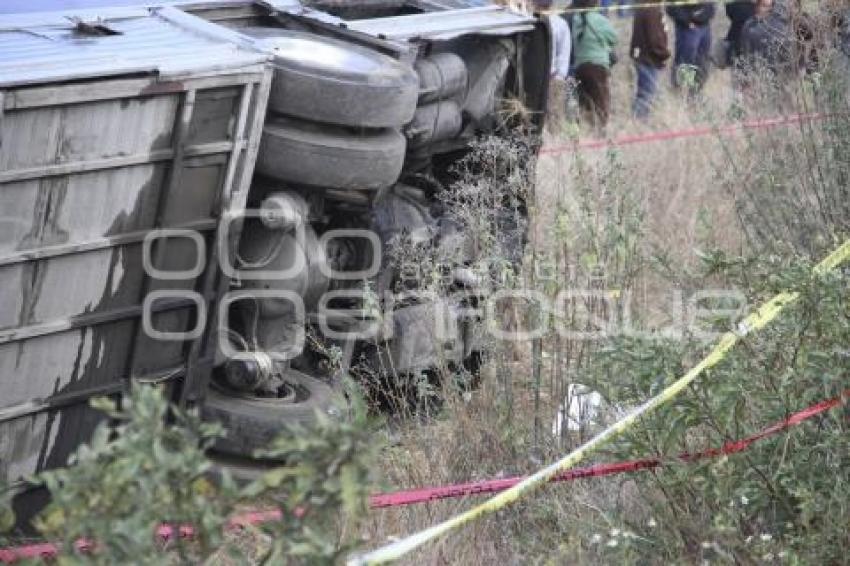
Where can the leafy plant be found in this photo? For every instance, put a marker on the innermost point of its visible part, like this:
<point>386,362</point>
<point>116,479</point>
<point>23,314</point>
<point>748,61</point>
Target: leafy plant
<point>144,468</point>
<point>148,467</point>
<point>322,484</point>
<point>7,514</point>
<point>785,497</point>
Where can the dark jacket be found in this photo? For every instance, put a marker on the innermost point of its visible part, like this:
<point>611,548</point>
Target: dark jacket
<point>781,40</point>
<point>649,39</point>
<point>738,14</point>
<point>759,41</point>
<point>698,14</point>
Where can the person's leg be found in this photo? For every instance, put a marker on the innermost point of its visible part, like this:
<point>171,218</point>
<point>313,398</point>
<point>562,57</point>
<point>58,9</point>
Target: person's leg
<point>603,103</point>
<point>647,82</point>
<point>583,88</point>
<point>677,54</point>
<point>590,95</point>
<point>687,48</point>
<point>704,54</point>
<point>598,93</point>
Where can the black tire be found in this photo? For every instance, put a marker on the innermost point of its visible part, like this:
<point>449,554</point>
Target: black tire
<point>242,469</point>
<point>252,423</point>
<point>299,152</point>
<point>334,82</point>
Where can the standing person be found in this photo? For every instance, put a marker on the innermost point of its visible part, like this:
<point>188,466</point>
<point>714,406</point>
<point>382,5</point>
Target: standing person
<point>594,40</point>
<point>780,39</point>
<point>561,46</point>
<point>738,14</point>
<point>759,42</point>
<point>650,52</point>
<point>756,59</point>
<point>693,42</point>
<point>562,42</point>
<point>838,16</point>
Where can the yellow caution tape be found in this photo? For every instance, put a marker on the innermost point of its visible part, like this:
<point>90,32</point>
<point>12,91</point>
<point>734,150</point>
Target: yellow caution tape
<point>755,321</point>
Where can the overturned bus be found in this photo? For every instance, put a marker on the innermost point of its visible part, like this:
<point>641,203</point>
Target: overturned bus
<point>189,191</point>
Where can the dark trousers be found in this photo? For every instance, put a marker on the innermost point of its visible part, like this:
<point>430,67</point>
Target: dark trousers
<point>693,47</point>
<point>594,94</point>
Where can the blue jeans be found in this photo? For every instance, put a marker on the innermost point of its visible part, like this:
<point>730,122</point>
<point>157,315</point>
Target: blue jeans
<point>693,46</point>
<point>647,83</point>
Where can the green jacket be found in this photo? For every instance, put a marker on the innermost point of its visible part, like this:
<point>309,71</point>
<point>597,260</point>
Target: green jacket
<point>594,44</point>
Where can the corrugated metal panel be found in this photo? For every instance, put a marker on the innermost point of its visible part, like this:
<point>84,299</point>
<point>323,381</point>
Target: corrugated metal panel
<point>28,6</point>
<point>432,5</point>
<point>445,19</point>
<point>93,168</point>
<point>47,47</point>
<point>446,25</point>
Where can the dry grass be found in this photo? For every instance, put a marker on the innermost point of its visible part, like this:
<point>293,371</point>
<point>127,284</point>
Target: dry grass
<point>683,188</point>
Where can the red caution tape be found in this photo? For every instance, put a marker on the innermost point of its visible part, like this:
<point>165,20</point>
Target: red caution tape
<point>167,533</point>
<point>760,123</point>
<point>414,496</point>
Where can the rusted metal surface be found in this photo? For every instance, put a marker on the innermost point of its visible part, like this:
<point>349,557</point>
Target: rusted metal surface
<point>87,170</point>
